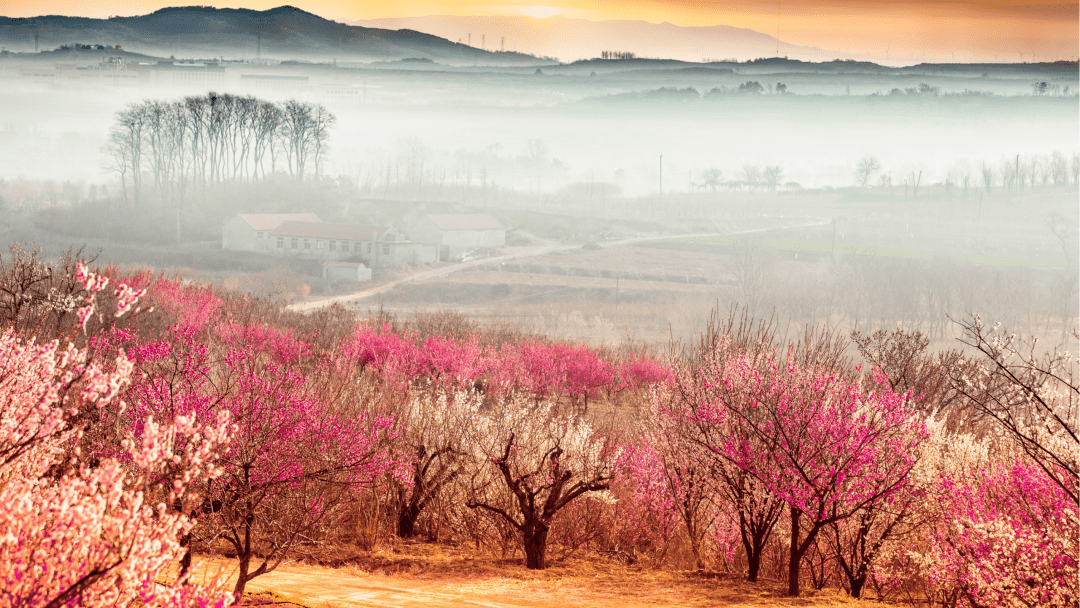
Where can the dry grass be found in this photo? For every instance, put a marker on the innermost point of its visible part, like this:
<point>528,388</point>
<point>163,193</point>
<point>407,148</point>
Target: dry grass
<point>443,577</point>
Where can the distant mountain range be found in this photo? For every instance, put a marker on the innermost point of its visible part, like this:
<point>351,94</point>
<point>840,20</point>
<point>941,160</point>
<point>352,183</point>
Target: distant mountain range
<point>571,39</point>
<point>281,33</point>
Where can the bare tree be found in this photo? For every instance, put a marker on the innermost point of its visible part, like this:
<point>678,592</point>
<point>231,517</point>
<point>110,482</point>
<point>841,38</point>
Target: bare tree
<point>864,169</point>
<point>268,119</point>
<point>206,140</point>
<point>296,133</point>
<point>1059,169</point>
<point>533,464</point>
<point>128,134</point>
<point>323,121</point>
<point>772,176</point>
<point>197,110</point>
<point>750,263</point>
<point>433,427</point>
<point>987,171</point>
<point>752,176</point>
<point>117,160</point>
<point>712,178</point>
<point>1033,397</point>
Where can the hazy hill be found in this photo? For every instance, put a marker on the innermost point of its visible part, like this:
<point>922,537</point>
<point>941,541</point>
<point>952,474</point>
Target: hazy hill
<point>281,33</point>
<point>571,39</point>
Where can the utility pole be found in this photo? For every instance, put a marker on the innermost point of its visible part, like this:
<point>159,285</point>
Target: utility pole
<point>833,252</point>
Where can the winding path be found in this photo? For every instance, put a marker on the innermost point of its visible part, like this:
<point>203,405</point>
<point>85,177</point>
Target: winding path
<point>512,253</point>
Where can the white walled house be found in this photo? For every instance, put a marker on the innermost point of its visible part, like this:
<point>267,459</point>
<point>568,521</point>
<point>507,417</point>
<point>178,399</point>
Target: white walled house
<point>457,233</point>
<point>252,231</point>
<point>346,272</point>
<point>375,246</point>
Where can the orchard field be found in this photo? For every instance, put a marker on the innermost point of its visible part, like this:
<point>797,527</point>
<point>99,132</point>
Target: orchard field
<point>837,259</point>
<point>155,429</point>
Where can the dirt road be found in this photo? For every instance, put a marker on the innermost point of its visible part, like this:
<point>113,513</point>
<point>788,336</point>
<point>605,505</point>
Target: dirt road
<point>511,254</point>
<point>580,585</point>
<point>427,275</point>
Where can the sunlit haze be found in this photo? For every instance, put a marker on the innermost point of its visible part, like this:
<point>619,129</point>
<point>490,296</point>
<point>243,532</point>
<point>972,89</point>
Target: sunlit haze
<point>987,31</point>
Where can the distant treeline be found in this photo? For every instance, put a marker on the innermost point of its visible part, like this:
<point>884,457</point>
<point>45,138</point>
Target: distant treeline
<point>170,149</point>
<point>617,55</point>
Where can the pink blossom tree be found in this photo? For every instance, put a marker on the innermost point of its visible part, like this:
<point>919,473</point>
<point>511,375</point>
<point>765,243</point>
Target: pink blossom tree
<point>686,473</point>
<point>306,432</point>
<point>822,443</point>
<point>78,529</point>
<point>645,516</point>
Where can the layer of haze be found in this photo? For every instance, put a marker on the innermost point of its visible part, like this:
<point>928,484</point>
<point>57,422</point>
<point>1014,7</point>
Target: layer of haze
<point>967,202</point>
<point>929,29</point>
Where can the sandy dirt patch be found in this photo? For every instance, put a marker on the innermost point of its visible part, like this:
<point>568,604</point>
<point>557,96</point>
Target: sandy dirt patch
<point>490,583</point>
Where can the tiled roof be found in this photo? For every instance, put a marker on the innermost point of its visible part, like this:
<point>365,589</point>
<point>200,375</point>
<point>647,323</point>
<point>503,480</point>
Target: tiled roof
<point>344,232</point>
<point>269,221</point>
<point>466,221</point>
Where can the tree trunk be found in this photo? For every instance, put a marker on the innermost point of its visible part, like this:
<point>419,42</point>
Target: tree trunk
<point>753,560</point>
<point>406,523</point>
<point>242,577</point>
<point>795,557</point>
<point>185,559</point>
<point>536,547</point>
<point>857,584</point>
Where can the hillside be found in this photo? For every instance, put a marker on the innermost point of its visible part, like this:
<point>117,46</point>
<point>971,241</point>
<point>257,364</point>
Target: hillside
<point>570,38</point>
<point>285,32</point>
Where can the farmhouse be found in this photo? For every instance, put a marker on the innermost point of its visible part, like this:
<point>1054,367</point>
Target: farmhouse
<point>251,231</point>
<point>455,234</point>
<point>376,246</point>
<point>346,272</point>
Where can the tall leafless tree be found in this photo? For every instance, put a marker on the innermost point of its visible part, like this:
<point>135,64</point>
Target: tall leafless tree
<point>865,168</point>
<point>203,141</point>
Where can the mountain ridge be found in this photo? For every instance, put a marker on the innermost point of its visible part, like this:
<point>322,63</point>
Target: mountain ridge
<point>570,38</point>
<point>283,32</point>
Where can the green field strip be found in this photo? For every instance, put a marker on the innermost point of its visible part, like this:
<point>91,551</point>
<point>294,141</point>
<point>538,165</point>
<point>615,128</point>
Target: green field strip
<point>826,247</point>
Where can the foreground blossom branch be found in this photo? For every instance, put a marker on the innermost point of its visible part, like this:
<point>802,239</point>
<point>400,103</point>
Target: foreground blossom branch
<point>72,534</point>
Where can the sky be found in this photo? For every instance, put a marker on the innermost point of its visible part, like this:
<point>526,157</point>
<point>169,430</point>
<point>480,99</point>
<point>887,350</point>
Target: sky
<point>1005,29</point>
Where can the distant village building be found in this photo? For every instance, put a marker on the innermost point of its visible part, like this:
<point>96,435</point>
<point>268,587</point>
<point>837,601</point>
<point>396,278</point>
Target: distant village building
<point>252,231</point>
<point>346,272</point>
<point>457,233</point>
<point>305,235</point>
<point>272,83</point>
<point>173,75</point>
<point>111,73</point>
<point>373,245</point>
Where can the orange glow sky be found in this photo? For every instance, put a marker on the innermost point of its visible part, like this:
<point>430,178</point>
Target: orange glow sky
<point>1008,29</point>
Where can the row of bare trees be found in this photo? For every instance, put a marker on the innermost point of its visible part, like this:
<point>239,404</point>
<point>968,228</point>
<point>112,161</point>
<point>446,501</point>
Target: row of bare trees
<point>1013,174</point>
<point>752,178</point>
<point>170,149</point>
<point>1031,172</point>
